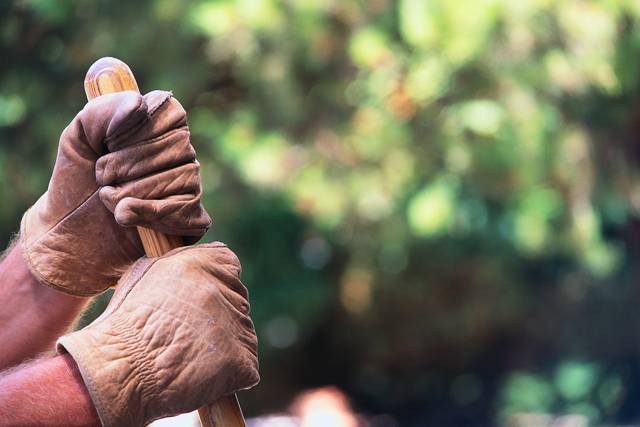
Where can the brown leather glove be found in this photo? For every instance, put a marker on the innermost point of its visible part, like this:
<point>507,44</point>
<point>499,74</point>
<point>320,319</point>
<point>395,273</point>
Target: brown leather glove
<point>176,336</point>
<point>124,160</point>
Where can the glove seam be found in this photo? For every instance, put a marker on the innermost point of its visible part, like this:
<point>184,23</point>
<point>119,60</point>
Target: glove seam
<point>139,272</point>
<point>137,125</point>
<point>140,275</point>
<point>119,297</point>
<point>167,98</point>
<point>131,122</point>
<point>158,138</point>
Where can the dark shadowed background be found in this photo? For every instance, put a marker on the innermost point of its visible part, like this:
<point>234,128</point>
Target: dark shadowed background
<point>436,203</point>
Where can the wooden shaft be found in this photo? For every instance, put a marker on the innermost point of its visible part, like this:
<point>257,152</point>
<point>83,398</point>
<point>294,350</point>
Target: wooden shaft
<point>109,75</point>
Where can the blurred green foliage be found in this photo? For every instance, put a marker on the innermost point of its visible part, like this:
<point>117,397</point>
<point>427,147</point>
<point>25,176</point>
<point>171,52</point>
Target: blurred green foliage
<point>436,202</point>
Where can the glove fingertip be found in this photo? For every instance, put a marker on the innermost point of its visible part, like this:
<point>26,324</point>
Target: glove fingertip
<point>100,171</point>
<point>129,110</point>
<point>156,99</point>
<point>124,214</point>
<point>206,221</point>
<point>107,195</point>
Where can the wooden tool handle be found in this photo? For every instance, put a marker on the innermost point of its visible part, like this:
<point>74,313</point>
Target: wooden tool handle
<point>109,75</point>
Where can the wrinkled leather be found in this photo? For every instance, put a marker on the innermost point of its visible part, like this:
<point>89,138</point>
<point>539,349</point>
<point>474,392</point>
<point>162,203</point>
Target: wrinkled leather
<point>125,160</point>
<point>176,336</point>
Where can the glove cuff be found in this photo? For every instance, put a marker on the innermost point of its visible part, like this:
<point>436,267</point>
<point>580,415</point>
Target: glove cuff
<point>59,257</point>
<point>112,360</point>
<point>113,374</point>
<point>31,231</point>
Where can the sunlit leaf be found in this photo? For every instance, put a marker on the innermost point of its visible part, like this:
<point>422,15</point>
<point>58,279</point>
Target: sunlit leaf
<point>432,209</point>
<point>575,380</point>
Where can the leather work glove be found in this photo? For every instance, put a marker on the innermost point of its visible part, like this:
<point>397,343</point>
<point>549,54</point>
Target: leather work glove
<point>176,336</point>
<point>125,160</point>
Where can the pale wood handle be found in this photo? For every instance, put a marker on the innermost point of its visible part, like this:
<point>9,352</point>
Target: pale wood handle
<point>109,75</point>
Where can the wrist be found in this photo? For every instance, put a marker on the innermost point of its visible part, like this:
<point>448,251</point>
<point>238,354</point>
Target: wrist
<point>113,370</point>
<point>33,315</point>
<point>54,391</point>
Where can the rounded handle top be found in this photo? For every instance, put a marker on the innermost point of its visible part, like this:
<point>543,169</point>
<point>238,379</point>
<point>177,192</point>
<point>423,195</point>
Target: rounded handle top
<point>108,75</point>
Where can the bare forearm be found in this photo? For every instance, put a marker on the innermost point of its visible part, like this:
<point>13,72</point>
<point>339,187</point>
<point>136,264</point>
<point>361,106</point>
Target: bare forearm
<point>31,314</point>
<point>48,392</point>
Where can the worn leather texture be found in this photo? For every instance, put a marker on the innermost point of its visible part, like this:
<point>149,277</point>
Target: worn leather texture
<point>176,336</point>
<point>125,160</point>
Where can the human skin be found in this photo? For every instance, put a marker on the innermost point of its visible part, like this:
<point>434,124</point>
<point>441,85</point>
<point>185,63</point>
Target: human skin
<point>32,316</point>
<point>47,392</point>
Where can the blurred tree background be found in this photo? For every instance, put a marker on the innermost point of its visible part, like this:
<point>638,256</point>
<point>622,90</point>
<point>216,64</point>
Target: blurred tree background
<point>437,203</point>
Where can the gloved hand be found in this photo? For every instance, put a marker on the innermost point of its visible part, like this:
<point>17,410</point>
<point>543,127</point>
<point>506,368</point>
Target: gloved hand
<point>176,336</point>
<point>124,160</point>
